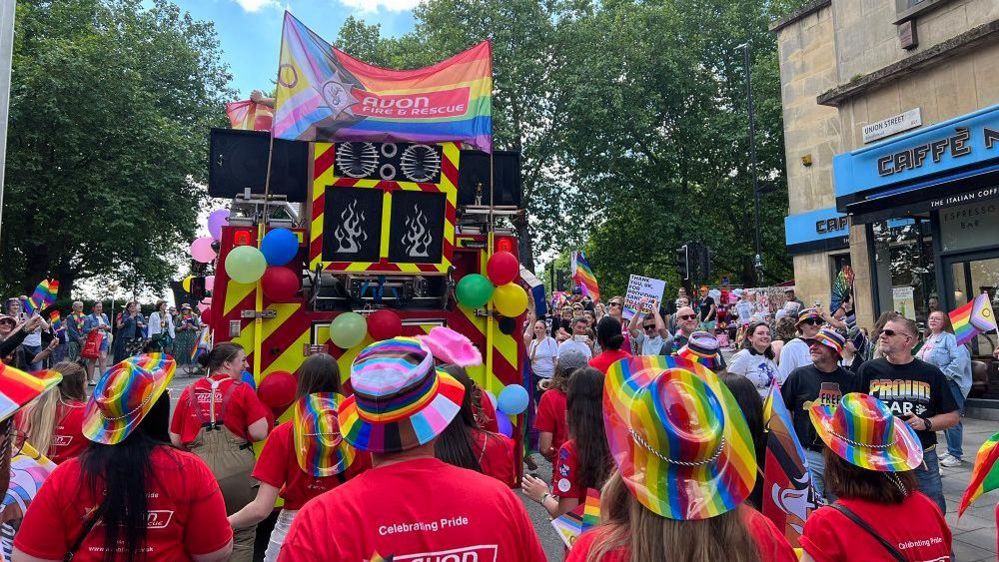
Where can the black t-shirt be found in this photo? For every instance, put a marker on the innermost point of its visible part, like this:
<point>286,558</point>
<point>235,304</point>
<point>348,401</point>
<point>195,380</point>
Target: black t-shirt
<point>914,389</point>
<point>705,305</point>
<point>807,385</point>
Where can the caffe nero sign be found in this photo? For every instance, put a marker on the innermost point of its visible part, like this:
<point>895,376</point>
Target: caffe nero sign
<point>969,140</point>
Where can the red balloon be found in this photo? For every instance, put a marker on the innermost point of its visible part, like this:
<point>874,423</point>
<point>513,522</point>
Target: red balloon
<point>280,284</point>
<point>206,316</point>
<point>502,268</point>
<point>277,391</point>
<point>384,324</point>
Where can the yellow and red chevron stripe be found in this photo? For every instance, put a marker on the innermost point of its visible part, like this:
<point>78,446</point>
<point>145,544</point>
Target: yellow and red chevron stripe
<point>324,179</point>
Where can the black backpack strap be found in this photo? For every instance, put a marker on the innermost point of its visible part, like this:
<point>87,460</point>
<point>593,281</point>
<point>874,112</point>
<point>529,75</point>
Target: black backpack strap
<point>88,526</point>
<point>863,525</point>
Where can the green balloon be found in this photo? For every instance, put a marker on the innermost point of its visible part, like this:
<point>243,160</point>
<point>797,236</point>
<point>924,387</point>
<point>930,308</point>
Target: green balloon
<point>245,264</point>
<point>474,290</point>
<point>348,330</point>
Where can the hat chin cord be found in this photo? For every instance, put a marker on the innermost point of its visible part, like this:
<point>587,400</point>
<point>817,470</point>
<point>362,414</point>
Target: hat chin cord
<point>894,479</point>
<point>645,445</point>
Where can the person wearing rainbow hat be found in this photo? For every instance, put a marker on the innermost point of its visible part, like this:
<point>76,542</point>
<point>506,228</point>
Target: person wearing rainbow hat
<point>685,465</point>
<point>870,457</point>
<point>410,504</point>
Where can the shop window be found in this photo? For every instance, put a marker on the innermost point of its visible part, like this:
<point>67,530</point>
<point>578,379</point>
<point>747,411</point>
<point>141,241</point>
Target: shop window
<point>904,268</point>
<point>970,278</point>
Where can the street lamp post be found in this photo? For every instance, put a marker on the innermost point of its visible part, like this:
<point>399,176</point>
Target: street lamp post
<point>758,258</point>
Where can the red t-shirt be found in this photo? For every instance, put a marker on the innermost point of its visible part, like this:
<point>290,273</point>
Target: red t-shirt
<point>420,509</point>
<point>186,512</point>
<point>771,542</point>
<point>552,417</point>
<point>495,452</point>
<point>915,527</point>
<point>278,466</point>
<point>242,409</point>
<point>68,440</point>
<point>603,361</point>
<point>566,473</point>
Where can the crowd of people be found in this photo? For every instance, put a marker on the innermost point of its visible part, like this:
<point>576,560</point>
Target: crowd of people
<point>411,464</point>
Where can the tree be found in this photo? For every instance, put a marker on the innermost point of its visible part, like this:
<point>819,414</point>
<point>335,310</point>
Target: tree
<point>111,101</point>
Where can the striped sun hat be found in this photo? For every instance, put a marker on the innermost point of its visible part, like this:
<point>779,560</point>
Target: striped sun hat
<point>864,433</point>
<point>319,447</point>
<point>829,338</point>
<point>702,347</point>
<point>124,395</point>
<point>400,400</point>
<point>678,437</point>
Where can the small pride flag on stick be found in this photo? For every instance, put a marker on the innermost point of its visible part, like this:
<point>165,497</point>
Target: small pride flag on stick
<point>972,319</point>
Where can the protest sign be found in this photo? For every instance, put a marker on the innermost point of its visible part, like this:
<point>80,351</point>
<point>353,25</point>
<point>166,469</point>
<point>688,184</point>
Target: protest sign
<point>641,292</point>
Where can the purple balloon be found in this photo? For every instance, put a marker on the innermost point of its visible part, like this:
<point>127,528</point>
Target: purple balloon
<point>505,426</point>
<point>202,251</point>
<point>216,220</point>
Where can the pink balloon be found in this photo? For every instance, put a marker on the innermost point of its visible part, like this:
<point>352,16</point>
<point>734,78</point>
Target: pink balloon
<point>201,250</point>
<point>216,220</point>
<point>210,283</point>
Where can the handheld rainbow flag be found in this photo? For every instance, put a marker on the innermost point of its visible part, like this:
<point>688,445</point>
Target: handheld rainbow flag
<point>248,115</point>
<point>55,319</point>
<point>324,94</point>
<point>591,510</point>
<point>582,274</point>
<point>788,495</point>
<point>203,345</point>
<point>972,319</point>
<point>43,296</point>
<point>28,470</point>
<point>574,523</point>
<point>984,475</point>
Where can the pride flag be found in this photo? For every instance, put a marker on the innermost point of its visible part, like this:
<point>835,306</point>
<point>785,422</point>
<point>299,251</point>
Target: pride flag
<point>28,470</point>
<point>984,475</point>
<point>248,115</point>
<point>788,496</point>
<point>324,94</point>
<point>43,296</point>
<point>570,525</point>
<point>582,274</point>
<point>972,319</point>
<point>55,319</point>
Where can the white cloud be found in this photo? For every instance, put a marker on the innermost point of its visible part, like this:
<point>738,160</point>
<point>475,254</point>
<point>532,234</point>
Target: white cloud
<point>377,5</point>
<point>257,5</point>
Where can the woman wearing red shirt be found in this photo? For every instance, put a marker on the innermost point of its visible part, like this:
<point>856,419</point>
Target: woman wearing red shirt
<point>680,444</point>
<point>611,339</point>
<point>463,443</point>
<point>551,422</point>
<point>130,496</point>
<point>300,459</point>
<point>584,461</point>
<point>870,455</point>
<point>54,423</point>
<point>216,419</point>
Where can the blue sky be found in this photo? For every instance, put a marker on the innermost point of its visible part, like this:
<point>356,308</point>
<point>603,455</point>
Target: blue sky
<point>250,30</point>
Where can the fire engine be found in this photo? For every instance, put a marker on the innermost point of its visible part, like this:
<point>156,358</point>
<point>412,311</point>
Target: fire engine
<point>382,226</point>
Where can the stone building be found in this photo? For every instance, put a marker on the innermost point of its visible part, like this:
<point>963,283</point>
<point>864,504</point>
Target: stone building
<point>891,118</point>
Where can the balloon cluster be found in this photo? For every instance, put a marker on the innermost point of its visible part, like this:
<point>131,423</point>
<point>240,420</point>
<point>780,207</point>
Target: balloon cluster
<point>246,264</point>
<point>509,299</point>
<point>349,329</point>
<point>512,401</point>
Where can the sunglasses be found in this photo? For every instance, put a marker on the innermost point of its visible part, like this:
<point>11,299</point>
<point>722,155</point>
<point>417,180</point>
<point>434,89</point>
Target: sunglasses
<point>615,304</point>
<point>810,322</point>
<point>649,328</point>
<point>686,317</point>
<point>893,333</point>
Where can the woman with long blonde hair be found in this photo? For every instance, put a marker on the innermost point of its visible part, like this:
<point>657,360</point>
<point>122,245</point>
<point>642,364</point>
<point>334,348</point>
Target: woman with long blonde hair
<point>679,441</point>
<point>53,423</point>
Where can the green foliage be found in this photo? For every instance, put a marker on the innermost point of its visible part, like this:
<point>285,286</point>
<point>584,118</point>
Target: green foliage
<point>111,101</point>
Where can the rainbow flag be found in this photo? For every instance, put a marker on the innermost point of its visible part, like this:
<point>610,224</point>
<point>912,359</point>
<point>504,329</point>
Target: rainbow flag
<point>248,115</point>
<point>570,525</point>
<point>788,497</point>
<point>203,345</point>
<point>972,319</point>
<point>984,475</point>
<point>44,295</point>
<point>324,94</point>
<point>582,274</point>
<point>55,319</point>
<point>28,470</point>
<point>17,388</point>
<point>591,510</point>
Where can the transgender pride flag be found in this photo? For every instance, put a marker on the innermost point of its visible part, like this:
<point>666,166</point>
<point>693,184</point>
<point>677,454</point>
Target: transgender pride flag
<point>325,94</point>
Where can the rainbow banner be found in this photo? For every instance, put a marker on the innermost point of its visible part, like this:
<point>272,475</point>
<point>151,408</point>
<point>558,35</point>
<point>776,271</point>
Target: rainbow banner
<point>972,319</point>
<point>44,295</point>
<point>984,475</point>
<point>248,115</point>
<point>324,94</point>
<point>583,276</point>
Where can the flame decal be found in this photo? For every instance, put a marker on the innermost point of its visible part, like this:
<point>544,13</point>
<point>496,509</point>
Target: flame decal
<point>349,233</point>
<point>417,239</point>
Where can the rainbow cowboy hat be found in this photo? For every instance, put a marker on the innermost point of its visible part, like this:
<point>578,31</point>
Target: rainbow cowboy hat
<point>319,447</point>
<point>400,401</point>
<point>124,395</point>
<point>864,433</point>
<point>678,437</point>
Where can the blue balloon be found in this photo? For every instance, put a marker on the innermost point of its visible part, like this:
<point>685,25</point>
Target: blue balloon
<point>505,427</point>
<point>248,379</point>
<point>279,246</point>
<point>512,400</point>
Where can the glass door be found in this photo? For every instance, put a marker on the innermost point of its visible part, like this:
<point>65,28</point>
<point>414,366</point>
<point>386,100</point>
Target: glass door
<point>967,276</point>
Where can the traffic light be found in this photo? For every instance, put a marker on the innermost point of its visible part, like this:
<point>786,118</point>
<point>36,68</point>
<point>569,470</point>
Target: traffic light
<point>683,262</point>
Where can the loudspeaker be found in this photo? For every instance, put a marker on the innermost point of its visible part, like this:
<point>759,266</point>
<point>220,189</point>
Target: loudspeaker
<point>388,161</point>
<point>238,160</point>
<point>473,170</point>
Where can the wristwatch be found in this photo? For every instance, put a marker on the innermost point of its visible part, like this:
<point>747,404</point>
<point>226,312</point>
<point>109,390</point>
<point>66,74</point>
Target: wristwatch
<point>928,424</point>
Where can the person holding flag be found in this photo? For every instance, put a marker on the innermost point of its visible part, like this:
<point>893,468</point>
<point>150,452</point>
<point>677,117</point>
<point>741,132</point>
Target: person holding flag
<point>942,350</point>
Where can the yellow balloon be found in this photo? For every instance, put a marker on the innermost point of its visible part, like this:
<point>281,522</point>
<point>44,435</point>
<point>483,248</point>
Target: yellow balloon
<point>186,283</point>
<point>510,300</point>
